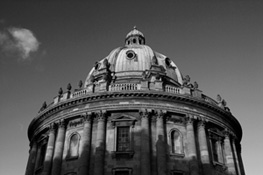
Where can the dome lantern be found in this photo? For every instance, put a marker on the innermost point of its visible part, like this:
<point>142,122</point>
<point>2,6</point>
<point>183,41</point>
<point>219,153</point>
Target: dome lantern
<point>135,37</point>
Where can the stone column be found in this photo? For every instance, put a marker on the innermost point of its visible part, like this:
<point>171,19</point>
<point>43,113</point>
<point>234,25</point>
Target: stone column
<point>59,146</point>
<point>37,157</point>
<point>242,169</point>
<point>49,151</point>
<point>100,143</point>
<point>31,159</point>
<point>153,145</point>
<point>202,139</point>
<point>191,146</point>
<point>229,155</point>
<point>85,145</point>
<point>161,144</point>
<point>236,157</point>
<point>145,143</point>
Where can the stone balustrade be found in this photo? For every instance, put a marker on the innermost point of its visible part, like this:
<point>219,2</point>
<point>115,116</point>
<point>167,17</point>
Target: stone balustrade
<point>133,87</point>
<point>80,93</point>
<point>124,87</point>
<point>171,89</point>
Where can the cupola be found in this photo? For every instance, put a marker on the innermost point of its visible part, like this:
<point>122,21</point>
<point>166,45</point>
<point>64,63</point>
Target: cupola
<point>135,37</point>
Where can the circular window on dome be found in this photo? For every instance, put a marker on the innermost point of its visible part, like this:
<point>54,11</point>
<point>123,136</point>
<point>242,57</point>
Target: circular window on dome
<point>130,54</point>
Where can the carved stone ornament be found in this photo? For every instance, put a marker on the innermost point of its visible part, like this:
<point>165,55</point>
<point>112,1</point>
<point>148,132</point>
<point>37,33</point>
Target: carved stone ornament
<point>61,123</point>
<point>144,114</point>
<point>52,127</point>
<point>201,123</point>
<point>168,62</point>
<point>75,123</point>
<point>195,85</point>
<point>190,120</point>
<point>186,80</point>
<point>60,91</point>
<point>218,98</point>
<point>105,63</point>
<point>80,83</point>
<point>69,87</point>
<point>160,114</point>
<point>97,65</point>
<point>87,117</point>
<point>92,78</point>
<point>144,75</point>
<point>101,115</point>
<point>44,106</point>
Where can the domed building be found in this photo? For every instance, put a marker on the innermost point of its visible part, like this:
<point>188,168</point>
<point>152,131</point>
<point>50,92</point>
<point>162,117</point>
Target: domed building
<point>135,114</point>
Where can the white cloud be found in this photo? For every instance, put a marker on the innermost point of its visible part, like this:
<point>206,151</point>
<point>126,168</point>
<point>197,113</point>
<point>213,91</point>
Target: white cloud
<point>18,41</point>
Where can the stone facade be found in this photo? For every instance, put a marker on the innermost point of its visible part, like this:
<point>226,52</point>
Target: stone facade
<point>145,121</point>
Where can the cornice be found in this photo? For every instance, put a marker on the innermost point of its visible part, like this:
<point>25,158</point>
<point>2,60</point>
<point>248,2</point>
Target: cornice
<point>95,97</point>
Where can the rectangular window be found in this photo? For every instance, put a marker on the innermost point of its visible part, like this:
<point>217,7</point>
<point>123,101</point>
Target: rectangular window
<point>123,139</point>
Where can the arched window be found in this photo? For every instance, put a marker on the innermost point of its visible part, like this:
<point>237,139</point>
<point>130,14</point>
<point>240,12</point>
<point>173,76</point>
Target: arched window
<point>73,151</point>
<point>176,142</point>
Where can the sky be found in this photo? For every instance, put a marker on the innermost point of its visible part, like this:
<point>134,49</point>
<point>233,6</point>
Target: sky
<point>44,45</point>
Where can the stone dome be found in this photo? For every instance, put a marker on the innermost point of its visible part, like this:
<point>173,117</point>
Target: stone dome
<point>135,116</point>
<point>136,59</point>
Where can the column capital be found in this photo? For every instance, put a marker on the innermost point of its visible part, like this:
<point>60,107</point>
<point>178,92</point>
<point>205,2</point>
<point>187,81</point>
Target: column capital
<point>202,123</point>
<point>101,115</point>
<point>227,133</point>
<point>87,117</point>
<point>61,123</point>
<point>160,114</point>
<point>190,119</point>
<point>51,127</point>
<point>144,114</point>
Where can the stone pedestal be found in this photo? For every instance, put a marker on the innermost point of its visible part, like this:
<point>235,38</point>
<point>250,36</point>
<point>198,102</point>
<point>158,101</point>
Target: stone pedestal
<point>197,93</point>
<point>85,145</point>
<point>103,86</point>
<point>31,160</point>
<point>57,158</point>
<point>144,85</point>
<point>49,151</point>
<point>158,85</point>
